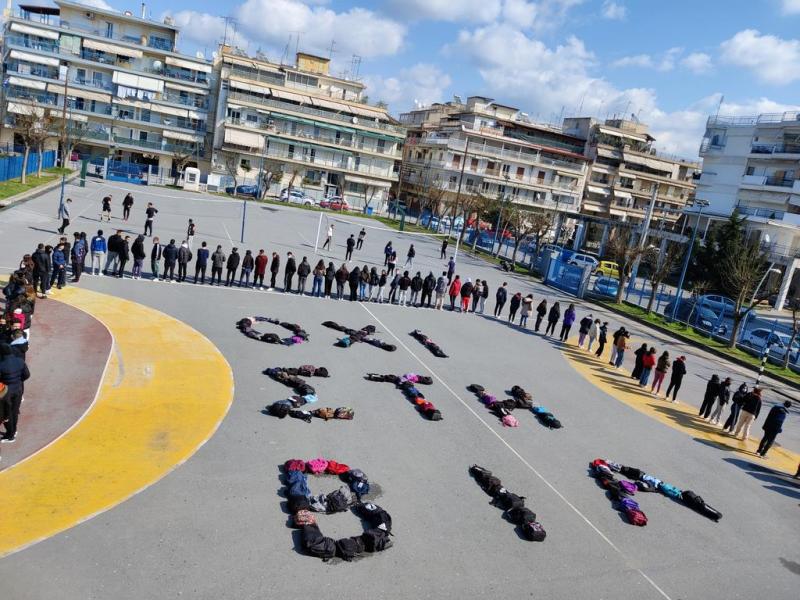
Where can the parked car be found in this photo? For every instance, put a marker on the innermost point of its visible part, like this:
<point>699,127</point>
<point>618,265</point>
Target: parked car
<point>719,304</point>
<point>296,196</point>
<point>581,260</point>
<point>243,190</point>
<point>606,286</point>
<point>693,313</point>
<point>335,203</point>
<point>607,268</point>
<point>758,339</point>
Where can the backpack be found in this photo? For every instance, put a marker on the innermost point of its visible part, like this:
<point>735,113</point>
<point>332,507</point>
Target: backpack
<point>521,515</point>
<point>279,409</point>
<point>630,472</point>
<point>534,531</point>
<point>376,540</point>
<point>510,421</point>
<point>697,503</point>
<point>348,548</point>
<point>321,372</point>
<point>344,342</point>
<point>475,388</point>
<point>294,464</point>
<point>323,413</point>
<point>271,338</point>
<point>300,488</point>
<point>360,488</point>
<point>643,486</point>
<point>491,485</point>
<point>305,370</point>
<point>636,517</point>
<point>433,415</point>
<point>479,472</point>
<point>298,503</point>
<point>319,503</point>
<point>301,414</point>
<point>670,490</point>
<point>317,544</point>
<point>628,486</point>
<point>304,517</point>
<point>653,481</point>
<point>628,504</point>
<point>317,465</point>
<point>424,380</point>
<point>344,412</point>
<point>295,476</point>
<point>508,500</point>
<point>356,475</point>
<point>376,516</point>
<point>614,466</point>
<point>335,468</point>
<point>524,403</point>
<point>338,500</point>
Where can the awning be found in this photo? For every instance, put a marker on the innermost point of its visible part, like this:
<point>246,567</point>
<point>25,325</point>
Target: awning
<point>294,119</point>
<point>50,35</point>
<point>71,116</point>
<point>185,137</point>
<point>284,95</point>
<point>112,48</point>
<point>330,104</point>
<point>196,115</point>
<point>24,109</point>
<point>627,134</point>
<point>243,138</point>
<point>249,87</point>
<point>137,81</point>
<point>185,88</point>
<point>370,182</point>
<point>187,64</point>
<point>621,194</point>
<point>380,136</point>
<point>594,189</point>
<point>250,64</point>
<point>27,83</point>
<point>168,110</point>
<point>35,58</point>
<point>366,112</point>
<point>234,106</point>
<point>59,89</point>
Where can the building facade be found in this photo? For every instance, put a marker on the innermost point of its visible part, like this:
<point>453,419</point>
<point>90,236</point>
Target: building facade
<point>312,127</point>
<point>126,92</point>
<point>626,171</point>
<point>752,165</point>
<point>485,148</point>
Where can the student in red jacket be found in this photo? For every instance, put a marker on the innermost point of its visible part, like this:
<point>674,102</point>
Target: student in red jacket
<point>648,362</point>
<point>455,290</point>
<point>261,269</point>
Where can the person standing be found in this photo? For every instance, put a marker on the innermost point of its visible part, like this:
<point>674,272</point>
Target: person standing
<point>443,251</point>
<point>351,243</point>
<point>402,285</point>
<point>288,272</point>
<point>319,278</point>
<point>428,285</point>
<point>127,203</point>
<point>274,269</point>
<point>42,266</point>
<point>387,252</point>
<point>184,257</point>
<point>361,235</point>
<point>353,281</point>
<point>500,297</point>
<point>525,311</point>
<point>124,255</point>
<point>416,288</point>
<point>112,258</point>
<point>85,243</point>
<point>63,214</point>
<point>201,263</point>
<point>59,267</point>
<point>218,260</point>
<point>248,263</point>
<point>484,296</point>
<point>513,307</point>
<point>603,339</point>
<point>736,406</point>
<point>78,257</point>
<point>583,329</point>
<point>106,209</point>
<point>594,331</point>
<point>541,311</point>
<point>451,269</point>
<point>363,281</point>
<point>149,213</point>
<point>566,325</point>
<point>622,345</point>
<point>410,257</point>
<point>639,361</point>
<point>170,255</point>
<point>676,379</point>
<point>374,282</point>
<point>751,407</point>
<point>712,390</point>
<point>13,374</point>
<point>342,275</point>
<point>455,290</point>
<point>772,426</point>
<point>392,263</point>
<point>466,293</point>
<point>231,266</point>
<point>552,319</point>
<point>155,258</point>
<point>137,250</point>
<point>723,397</point>
<point>381,286</point>
<point>477,290</point>
<point>261,269</point>
<point>614,339</point>
<point>662,366</point>
<point>648,363</point>
<point>303,270</point>
<point>190,231</point>
<point>328,239</point>
<point>330,277</point>
<point>441,290</point>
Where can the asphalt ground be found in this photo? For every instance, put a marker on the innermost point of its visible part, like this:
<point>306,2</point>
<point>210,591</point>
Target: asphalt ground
<point>216,527</point>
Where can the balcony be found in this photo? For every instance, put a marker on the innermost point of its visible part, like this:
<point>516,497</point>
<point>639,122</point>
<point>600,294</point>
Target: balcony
<point>770,149</point>
<point>768,181</point>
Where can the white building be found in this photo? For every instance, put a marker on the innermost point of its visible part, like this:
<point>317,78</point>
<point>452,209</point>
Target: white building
<point>752,164</point>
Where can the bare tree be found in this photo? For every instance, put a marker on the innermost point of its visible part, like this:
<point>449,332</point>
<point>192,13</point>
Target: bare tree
<point>180,156</point>
<point>661,265</point>
<point>541,222</point>
<point>34,128</point>
<point>625,252</point>
<point>230,161</point>
<point>271,171</point>
<point>523,222</point>
<point>68,137</point>
<point>794,306</point>
<point>293,178</point>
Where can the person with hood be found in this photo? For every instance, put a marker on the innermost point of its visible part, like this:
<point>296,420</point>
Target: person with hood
<point>330,277</point>
<point>363,282</point>
<point>455,290</point>
<point>184,257</point>
<point>374,281</point>
<point>353,281</point>
<point>648,363</point>
<point>603,339</point>
<point>156,252</point>
<point>127,203</point>
<point>98,248</point>
<point>393,288</point>
<point>416,288</point>
<point>170,255</point>
<point>360,242</point>
<point>451,269</point>
<point>428,285</point>
<point>662,366</point>
<point>351,243</point>
<point>342,275</point>
<point>59,267</point>
<point>13,374</point>
<point>466,294</point>
<point>137,250</point>
<point>751,407</point>
<point>723,397</point>
<point>303,270</point>
<point>381,287</point>
<point>483,297</point>
<point>410,257</point>
<point>78,257</point>
<point>525,311</point>
<point>231,266</point>
<point>541,311</point>
<point>248,264</point>
<point>500,297</point>
<point>124,255</point>
<point>387,252</point>
<point>583,329</point>
<point>637,367</point>
<point>621,345</point>
<point>319,277</point>
<point>712,391</point>
<point>594,331</point>
<point>772,426</point>
<point>260,269</point>
<point>288,272</point>
<point>217,262</point>
<point>441,290</point>
<point>736,406</point>
<point>42,267</point>
<point>566,325</point>
<point>274,269</point>
<point>676,379</point>
<point>112,258</point>
<point>403,285</point>
<point>477,292</point>
<point>201,264</point>
<point>392,263</point>
<point>516,301</point>
<point>552,319</point>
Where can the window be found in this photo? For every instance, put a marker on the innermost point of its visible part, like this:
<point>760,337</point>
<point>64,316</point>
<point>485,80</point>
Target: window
<point>245,164</point>
<point>145,115</point>
<point>520,172</point>
<point>540,176</point>
<point>302,80</point>
<point>381,146</point>
<point>491,165</point>
<point>470,183</point>
<point>453,179</point>
<point>313,177</point>
<point>484,186</point>
<point>97,80</point>
<point>750,171</point>
<point>456,160</point>
<point>291,151</point>
<point>143,136</point>
<point>473,164</point>
<point>109,30</point>
<point>234,115</point>
<point>506,170</point>
<point>252,118</point>
<point>160,43</point>
<point>80,76</point>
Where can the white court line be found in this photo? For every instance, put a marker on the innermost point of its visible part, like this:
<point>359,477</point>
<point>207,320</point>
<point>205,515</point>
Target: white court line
<point>517,454</point>
<point>225,227</point>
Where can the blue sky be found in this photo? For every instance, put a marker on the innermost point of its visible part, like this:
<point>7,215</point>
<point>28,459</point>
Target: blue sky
<point>669,62</point>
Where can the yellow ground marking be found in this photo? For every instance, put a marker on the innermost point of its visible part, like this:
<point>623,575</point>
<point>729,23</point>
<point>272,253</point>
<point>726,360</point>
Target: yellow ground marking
<point>164,392</point>
<point>619,385</point>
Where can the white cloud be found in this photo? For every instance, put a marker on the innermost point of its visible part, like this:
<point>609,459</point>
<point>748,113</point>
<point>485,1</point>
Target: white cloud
<point>271,23</point>
<point>666,62</point>
<point>614,11</point>
<point>790,7</point>
<point>697,62</point>
<point>101,4</point>
<point>422,84</point>
<point>471,11</point>
<point>519,12</point>
<point>770,58</point>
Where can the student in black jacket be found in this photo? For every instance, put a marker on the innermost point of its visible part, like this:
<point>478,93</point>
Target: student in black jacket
<point>288,272</point>
<point>353,279</point>
<point>513,307</point>
<point>248,264</point>
<point>428,285</point>
<point>303,269</point>
<point>330,277</point>
<point>233,263</point>
<point>552,319</point>
<point>541,311</point>
<point>500,297</point>
<point>602,339</point>
<point>170,255</point>
<point>124,255</point>
<point>772,426</point>
<point>201,263</point>
<point>751,407</point>
<point>712,391</point>
<point>155,257</point>
<point>13,373</point>
<point>274,269</point>
<point>675,380</point>
<point>137,250</point>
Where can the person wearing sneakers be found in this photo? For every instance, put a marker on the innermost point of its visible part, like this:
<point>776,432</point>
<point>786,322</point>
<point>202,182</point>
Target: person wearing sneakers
<point>751,407</point>
<point>13,374</point>
<point>5,408</point>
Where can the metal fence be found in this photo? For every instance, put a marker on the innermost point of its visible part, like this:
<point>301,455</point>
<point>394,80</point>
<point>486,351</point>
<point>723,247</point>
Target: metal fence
<point>11,166</point>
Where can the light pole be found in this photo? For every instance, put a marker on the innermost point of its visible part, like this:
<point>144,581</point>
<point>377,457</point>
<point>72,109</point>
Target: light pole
<point>771,269</point>
<point>701,204</point>
<point>505,199</point>
<point>458,197</point>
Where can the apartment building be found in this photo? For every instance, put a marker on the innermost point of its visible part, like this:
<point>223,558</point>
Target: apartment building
<point>626,171</point>
<point>752,164</point>
<point>315,127</point>
<point>500,151</point>
<point>130,95</point>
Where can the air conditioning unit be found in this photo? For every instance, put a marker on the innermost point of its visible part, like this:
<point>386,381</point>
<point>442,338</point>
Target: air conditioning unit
<point>90,15</point>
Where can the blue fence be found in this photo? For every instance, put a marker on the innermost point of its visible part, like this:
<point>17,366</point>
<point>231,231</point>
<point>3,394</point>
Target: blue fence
<point>11,166</point>
<point>564,276</point>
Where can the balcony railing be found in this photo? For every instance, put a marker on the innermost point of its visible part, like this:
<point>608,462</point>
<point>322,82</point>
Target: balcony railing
<point>775,149</point>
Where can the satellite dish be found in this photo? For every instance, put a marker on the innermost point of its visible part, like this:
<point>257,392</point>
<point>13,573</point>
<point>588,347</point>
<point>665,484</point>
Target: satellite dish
<point>157,64</point>
<point>355,120</point>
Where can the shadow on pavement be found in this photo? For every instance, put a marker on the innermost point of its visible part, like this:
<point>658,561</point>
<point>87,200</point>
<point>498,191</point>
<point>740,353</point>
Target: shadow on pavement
<point>777,481</point>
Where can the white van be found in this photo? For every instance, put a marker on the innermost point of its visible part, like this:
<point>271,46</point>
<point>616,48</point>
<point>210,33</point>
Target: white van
<point>582,260</point>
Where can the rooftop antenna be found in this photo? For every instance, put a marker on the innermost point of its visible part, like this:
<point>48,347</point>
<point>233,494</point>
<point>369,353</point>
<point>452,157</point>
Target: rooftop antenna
<point>332,50</point>
<point>228,20</point>
<point>580,106</point>
<point>719,106</point>
<point>355,66</point>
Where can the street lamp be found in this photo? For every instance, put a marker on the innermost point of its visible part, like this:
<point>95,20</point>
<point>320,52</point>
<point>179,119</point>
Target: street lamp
<point>771,269</point>
<point>701,204</point>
